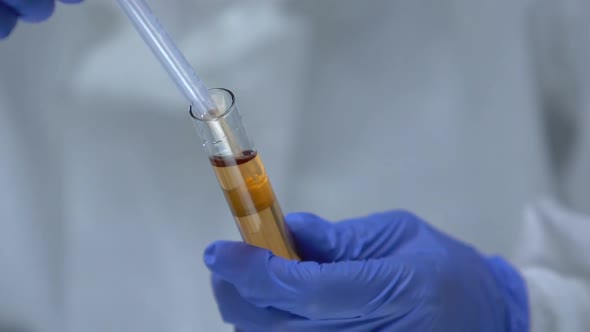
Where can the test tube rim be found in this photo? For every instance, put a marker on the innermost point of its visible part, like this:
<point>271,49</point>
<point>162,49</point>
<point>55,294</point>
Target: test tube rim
<point>225,113</point>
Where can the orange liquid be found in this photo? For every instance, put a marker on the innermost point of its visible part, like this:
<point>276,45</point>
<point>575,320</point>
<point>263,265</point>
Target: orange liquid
<point>253,203</point>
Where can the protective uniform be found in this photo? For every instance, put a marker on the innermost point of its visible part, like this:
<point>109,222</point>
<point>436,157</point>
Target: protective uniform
<point>465,112</point>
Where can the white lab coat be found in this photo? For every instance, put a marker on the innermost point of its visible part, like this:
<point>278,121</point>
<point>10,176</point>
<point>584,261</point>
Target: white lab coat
<point>463,111</point>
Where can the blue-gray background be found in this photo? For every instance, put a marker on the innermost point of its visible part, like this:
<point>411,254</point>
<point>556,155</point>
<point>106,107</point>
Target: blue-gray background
<point>462,111</point>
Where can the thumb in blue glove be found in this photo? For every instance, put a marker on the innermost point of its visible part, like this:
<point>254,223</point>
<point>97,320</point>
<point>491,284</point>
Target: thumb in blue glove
<point>26,10</point>
<point>385,272</point>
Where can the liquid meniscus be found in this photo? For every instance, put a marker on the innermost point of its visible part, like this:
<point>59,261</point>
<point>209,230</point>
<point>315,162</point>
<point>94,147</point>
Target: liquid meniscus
<point>254,206</point>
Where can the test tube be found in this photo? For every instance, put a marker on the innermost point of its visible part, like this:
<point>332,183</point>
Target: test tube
<point>242,177</point>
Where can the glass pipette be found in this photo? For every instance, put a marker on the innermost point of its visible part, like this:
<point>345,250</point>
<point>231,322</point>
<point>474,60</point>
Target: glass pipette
<point>181,72</point>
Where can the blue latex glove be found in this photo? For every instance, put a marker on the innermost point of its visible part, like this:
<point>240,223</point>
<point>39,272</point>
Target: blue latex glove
<point>385,272</point>
<point>27,10</point>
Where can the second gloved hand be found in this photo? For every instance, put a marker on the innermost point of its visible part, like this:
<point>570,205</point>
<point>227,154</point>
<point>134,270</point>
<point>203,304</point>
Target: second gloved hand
<point>385,272</point>
<point>27,10</point>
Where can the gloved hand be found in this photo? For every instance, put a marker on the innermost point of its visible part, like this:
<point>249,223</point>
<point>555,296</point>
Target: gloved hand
<point>385,272</point>
<point>27,10</point>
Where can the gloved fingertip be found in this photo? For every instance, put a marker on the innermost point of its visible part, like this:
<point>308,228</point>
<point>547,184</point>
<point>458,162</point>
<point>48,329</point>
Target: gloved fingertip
<point>8,20</point>
<point>6,29</point>
<point>40,12</point>
<point>220,250</point>
<point>209,255</point>
<point>228,258</point>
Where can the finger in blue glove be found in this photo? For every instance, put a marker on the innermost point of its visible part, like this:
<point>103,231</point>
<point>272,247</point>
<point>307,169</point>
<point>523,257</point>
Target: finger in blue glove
<point>8,18</point>
<point>27,10</point>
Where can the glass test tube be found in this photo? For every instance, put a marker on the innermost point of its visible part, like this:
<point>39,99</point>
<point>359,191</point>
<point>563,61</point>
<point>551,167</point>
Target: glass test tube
<point>242,177</point>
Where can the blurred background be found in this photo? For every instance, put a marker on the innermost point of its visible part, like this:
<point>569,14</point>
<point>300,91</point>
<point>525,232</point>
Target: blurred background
<point>460,111</point>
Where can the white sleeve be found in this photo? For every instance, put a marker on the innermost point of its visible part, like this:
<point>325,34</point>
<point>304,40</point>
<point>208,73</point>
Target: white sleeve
<point>554,249</point>
<point>554,258</point>
<point>560,51</point>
